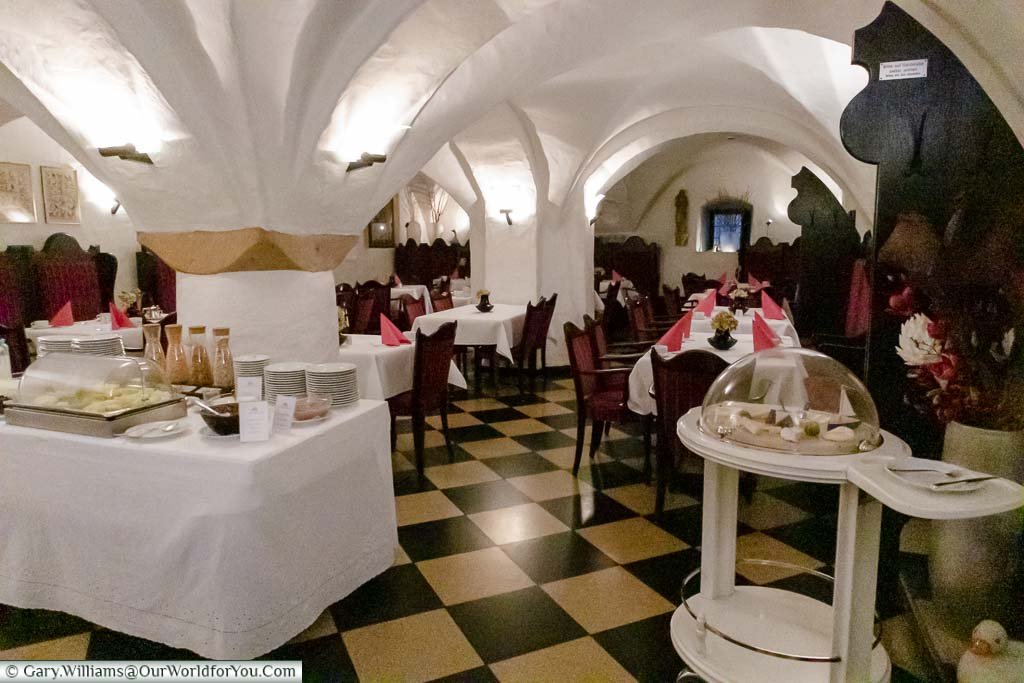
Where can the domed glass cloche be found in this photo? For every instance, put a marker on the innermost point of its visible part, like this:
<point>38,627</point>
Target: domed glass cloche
<point>792,400</point>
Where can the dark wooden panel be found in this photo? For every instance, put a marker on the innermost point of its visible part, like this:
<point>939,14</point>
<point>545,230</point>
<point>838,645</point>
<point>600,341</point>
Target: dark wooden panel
<point>635,259</point>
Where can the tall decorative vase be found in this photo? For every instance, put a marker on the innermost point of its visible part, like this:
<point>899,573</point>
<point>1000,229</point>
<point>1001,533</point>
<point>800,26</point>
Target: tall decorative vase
<point>973,563</point>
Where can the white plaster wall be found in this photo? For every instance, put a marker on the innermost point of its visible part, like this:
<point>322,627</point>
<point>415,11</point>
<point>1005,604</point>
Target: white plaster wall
<point>21,141</point>
<point>740,168</point>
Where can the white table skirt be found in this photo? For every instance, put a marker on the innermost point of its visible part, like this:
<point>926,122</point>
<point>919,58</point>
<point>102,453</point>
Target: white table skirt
<point>501,327</point>
<point>642,377</point>
<point>132,335</point>
<point>416,292</point>
<point>227,549</point>
<point>385,371</point>
<point>783,328</point>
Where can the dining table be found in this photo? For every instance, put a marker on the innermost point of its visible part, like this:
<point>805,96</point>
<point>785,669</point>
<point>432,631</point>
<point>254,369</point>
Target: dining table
<point>416,292</point>
<point>745,321</point>
<point>385,371</point>
<point>132,336</point>
<point>641,378</point>
<point>501,327</point>
<point>225,548</point>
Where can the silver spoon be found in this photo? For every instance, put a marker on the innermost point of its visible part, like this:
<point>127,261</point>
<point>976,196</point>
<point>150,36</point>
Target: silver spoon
<point>205,407</point>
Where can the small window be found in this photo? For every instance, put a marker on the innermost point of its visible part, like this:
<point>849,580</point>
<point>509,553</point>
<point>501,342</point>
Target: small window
<point>726,227</point>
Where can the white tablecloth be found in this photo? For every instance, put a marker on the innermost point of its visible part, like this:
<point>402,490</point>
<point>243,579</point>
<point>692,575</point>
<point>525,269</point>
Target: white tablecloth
<point>783,328</point>
<point>462,299</point>
<point>132,335</point>
<point>228,549</point>
<point>642,376</point>
<point>416,292</point>
<point>501,327</point>
<point>385,371</point>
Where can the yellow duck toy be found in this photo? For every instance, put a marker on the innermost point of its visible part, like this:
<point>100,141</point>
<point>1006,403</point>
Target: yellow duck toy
<point>992,657</point>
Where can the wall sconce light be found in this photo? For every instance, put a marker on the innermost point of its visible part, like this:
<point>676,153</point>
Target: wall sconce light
<point>508,215</point>
<point>116,207</point>
<point>126,153</point>
<point>366,160</point>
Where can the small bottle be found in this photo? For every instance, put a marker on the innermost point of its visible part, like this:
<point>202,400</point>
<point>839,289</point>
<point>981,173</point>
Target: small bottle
<point>177,363</point>
<point>223,363</point>
<point>201,373</point>
<point>154,349</point>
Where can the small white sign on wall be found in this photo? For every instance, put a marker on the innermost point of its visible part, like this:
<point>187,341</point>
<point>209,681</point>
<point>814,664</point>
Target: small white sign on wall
<point>895,71</point>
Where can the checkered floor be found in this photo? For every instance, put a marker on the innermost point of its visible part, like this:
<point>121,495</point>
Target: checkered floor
<point>512,569</point>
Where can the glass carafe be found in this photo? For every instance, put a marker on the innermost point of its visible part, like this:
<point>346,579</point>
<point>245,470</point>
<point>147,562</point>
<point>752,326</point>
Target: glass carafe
<point>154,349</point>
<point>223,364</point>
<point>202,373</point>
<point>176,364</point>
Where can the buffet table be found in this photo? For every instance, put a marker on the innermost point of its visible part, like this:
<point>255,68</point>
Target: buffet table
<point>501,327</point>
<point>416,292</point>
<point>132,335</point>
<point>225,548</point>
<point>642,377</point>
<point>385,371</point>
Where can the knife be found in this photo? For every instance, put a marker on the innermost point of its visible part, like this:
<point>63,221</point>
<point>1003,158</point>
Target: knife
<point>969,480</point>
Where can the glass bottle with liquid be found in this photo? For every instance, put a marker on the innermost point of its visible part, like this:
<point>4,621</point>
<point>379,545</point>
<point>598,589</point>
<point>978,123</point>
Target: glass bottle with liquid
<point>223,363</point>
<point>176,367</point>
<point>201,374</point>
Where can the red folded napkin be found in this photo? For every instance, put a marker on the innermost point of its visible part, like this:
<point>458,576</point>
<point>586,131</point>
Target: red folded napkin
<point>389,334</point>
<point>398,280</point>
<point>770,308</point>
<point>764,338</point>
<point>673,339</point>
<point>455,274</point>
<point>707,306</point>
<point>723,278</point>
<point>118,319</point>
<point>616,278</point>
<point>63,317</point>
<point>754,283</point>
<point>726,286</point>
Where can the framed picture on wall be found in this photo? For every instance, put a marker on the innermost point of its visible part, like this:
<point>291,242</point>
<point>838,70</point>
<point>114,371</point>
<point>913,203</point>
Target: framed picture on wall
<point>17,205</point>
<point>60,195</point>
<point>380,233</point>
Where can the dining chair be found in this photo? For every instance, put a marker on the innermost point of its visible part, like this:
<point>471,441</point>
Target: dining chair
<point>411,308</point>
<point>429,394</point>
<point>680,384</point>
<point>533,340</point>
<point>641,326</point>
<point>550,315</point>
<point>442,301</point>
<point>673,301</point>
<point>601,394</point>
<point>62,279</point>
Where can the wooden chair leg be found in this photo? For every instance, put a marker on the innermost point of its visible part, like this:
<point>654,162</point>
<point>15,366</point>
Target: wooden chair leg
<point>595,437</point>
<point>419,428</point>
<point>581,432</point>
<point>664,466</point>
<point>447,434</point>
<point>493,357</point>
<point>476,367</point>
<point>394,434</point>
<point>544,362</point>
<point>648,424</point>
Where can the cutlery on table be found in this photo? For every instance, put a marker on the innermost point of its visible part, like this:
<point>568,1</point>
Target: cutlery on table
<point>969,480</point>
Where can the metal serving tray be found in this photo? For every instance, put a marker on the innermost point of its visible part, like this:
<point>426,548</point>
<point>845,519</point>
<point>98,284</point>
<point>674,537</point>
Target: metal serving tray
<point>92,424</point>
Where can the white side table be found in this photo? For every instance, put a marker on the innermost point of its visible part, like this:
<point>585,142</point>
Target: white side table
<point>755,633</point>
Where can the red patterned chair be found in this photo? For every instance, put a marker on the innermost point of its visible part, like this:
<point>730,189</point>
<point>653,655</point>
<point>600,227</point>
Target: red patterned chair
<point>61,279</point>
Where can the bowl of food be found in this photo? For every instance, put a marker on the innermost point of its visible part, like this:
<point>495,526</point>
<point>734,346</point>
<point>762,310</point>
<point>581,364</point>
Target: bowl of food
<point>225,422</point>
<point>312,407</point>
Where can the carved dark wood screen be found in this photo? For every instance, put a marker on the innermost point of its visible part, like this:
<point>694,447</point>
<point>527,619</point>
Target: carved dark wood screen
<point>635,259</point>
<point>421,264</point>
<point>949,219</point>
<point>777,263</point>
<point>828,247</point>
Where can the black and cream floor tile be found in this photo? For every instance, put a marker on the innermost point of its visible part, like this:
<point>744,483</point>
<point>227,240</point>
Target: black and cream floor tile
<point>512,569</point>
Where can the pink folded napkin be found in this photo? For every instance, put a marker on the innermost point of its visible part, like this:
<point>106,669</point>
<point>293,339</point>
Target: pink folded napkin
<point>398,280</point>
<point>389,334</point>
<point>673,339</point>
<point>64,317</point>
<point>707,305</point>
<point>754,283</point>
<point>764,337</point>
<point>455,274</point>
<point>118,319</point>
<point>772,311</point>
<point>616,278</point>
<point>726,286</point>
<point>723,278</point>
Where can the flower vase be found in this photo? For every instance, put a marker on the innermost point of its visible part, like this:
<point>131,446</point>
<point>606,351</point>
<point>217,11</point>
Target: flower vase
<point>722,340</point>
<point>485,303</point>
<point>973,563</point>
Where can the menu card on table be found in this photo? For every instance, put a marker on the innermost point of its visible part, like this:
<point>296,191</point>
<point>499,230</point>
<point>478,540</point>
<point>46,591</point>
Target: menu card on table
<point>249,388</point>
<point>284,413</point>
<point>253,421</point>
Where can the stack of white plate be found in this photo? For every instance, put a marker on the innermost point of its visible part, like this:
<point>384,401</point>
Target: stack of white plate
<point>337,380</point>
<point>53,343</point>
<point>251,365</point>
<point>98,345</point>
<point>285,379</point>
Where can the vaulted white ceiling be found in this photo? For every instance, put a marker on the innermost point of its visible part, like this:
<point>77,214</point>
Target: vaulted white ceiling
<point>251,110</point>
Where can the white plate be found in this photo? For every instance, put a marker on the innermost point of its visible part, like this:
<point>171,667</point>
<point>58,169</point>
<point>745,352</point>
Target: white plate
<point>936,472</point>
<point>208,433</point>
<point>330,368</point>
<point>252,358</point>
<point>154,430</point>
<point>312,420</point>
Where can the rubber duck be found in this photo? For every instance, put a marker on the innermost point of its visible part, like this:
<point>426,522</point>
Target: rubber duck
<point>992,657</point>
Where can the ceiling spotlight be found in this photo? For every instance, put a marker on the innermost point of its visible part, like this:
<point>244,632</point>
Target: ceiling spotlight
<point>508,215</point>
<point>769,221</point>
<point>366,160</point>
<point>126,153</point>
